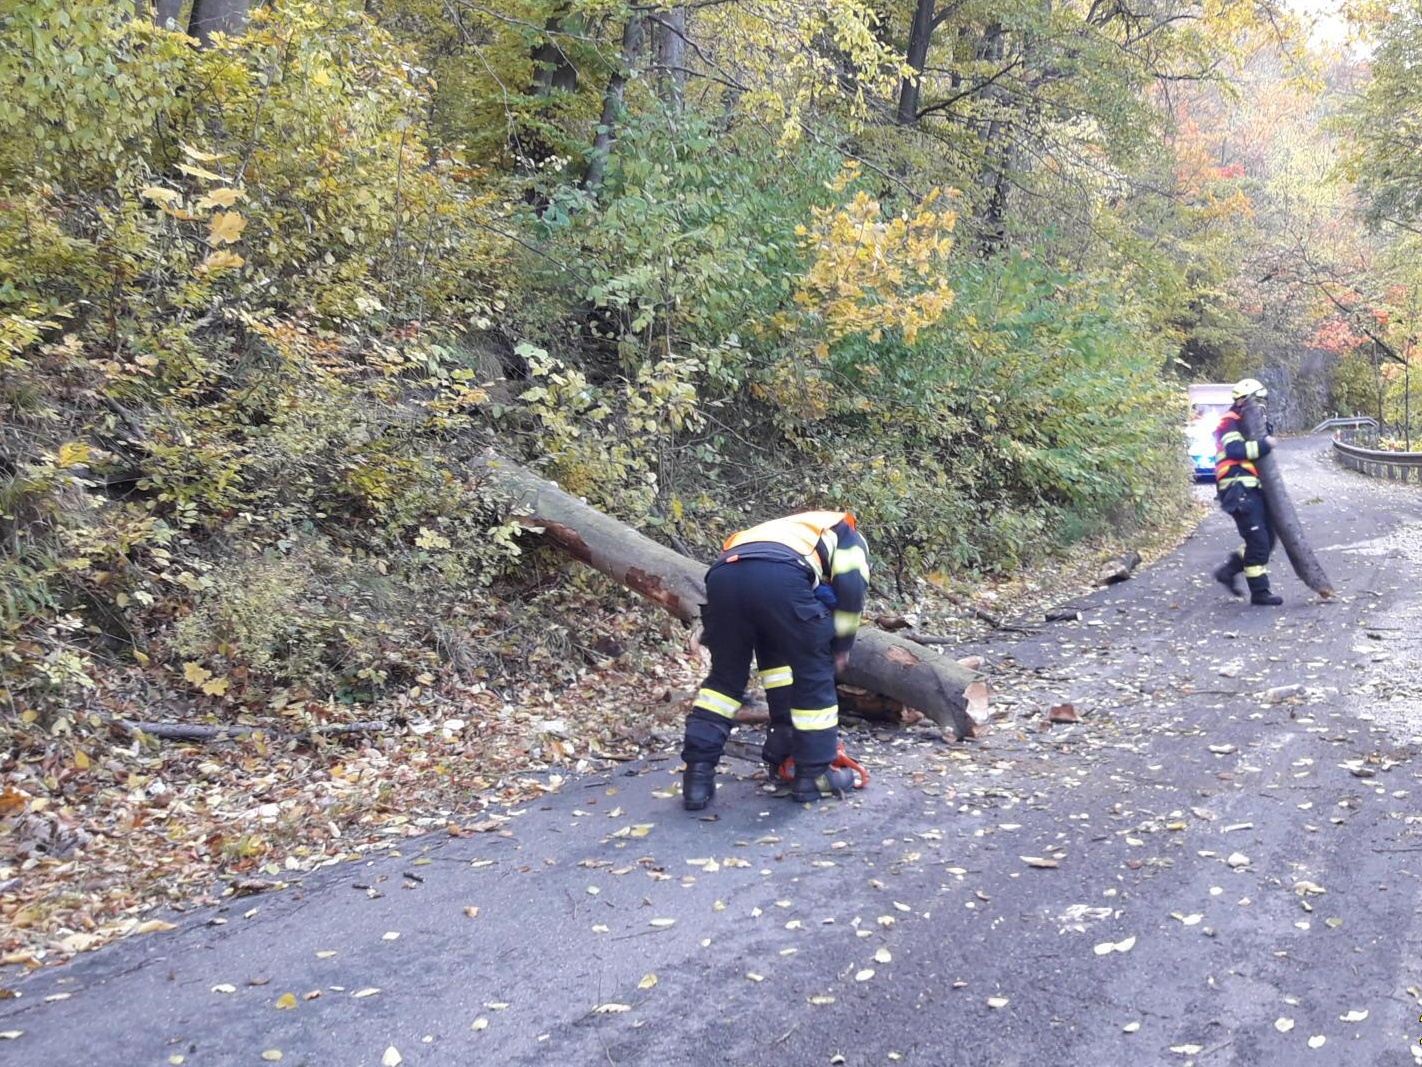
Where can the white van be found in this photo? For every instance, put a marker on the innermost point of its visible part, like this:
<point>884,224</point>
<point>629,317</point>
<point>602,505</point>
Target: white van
<point>1208,403</point>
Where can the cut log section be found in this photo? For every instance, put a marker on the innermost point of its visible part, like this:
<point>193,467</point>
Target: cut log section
<point>880,662</point>
<point>1282,516</point>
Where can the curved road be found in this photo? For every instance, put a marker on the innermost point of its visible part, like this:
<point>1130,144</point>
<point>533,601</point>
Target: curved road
<point>1195,873</point>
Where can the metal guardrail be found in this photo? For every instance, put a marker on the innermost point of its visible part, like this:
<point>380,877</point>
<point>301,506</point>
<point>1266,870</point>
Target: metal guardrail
<point>1353,422</point>
<point>1397,466</point>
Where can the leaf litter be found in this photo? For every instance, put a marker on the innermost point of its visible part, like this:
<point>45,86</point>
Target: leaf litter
<point>149,824</point>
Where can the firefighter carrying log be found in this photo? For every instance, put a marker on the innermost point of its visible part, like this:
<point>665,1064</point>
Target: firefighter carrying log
<point>790,592</point>
<point>1240,495</point>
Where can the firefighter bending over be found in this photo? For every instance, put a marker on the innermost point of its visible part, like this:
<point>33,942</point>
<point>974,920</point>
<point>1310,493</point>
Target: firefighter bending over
<point>790,592</point>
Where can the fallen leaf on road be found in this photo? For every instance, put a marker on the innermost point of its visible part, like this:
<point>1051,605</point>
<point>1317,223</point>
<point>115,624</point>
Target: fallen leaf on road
<point>1107,947</point>
<point>1187,1050</point>
<point>271,1055</point>
<point>478,1024</point>
<point>662,923</point>
<point>392,1057</point>
<point>1131,1028</point>
<point>286,1001</point>
<point>647,982</point>
<point>1283,1024</point>
<point>369,991</point>
<point>864,975</point>
<point>224,987</point>
<point>1354,1016</point>
<point>1317,1041</point>
<point>612,1008</point>
<point>998,1002</point>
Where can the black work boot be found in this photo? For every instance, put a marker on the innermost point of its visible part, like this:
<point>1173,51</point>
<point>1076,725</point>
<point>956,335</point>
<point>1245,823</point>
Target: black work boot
<point>698,785</point>
<point>830,782</point>
<point>1259,592</point>
<point>1227,574</point>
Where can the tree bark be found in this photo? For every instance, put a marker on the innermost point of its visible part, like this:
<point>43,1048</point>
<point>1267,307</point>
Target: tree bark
<point>920,37</point>
<point>217,16</point>
<point>166,12</point>
<point>1282,516</point>
<point>552,69</point>
<point>182,731</point>
<point>947,693</point>
<point>669,35</point>
<point>633,35</point>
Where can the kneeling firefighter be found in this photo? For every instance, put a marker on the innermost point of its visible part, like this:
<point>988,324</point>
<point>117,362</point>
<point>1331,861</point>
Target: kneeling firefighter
<point>1240,495</point>
<point>790,592</point>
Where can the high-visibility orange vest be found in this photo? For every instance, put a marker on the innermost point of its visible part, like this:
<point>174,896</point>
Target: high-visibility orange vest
<point>800,533</point>
<point>1224,466</point>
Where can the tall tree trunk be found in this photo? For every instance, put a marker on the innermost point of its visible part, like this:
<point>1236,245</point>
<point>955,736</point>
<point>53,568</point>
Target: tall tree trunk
<point>920,37</point>
<point>217,16</point>
<point>552,69</point>
<point>880,662</point>
<point>633,36</point>
<point>1282,516</point>
<point>166,13</point>
<point>669,51</point>
<point>997,147</point>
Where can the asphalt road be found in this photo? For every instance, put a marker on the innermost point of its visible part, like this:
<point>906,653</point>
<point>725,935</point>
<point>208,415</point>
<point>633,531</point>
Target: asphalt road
<point>1192,874</point>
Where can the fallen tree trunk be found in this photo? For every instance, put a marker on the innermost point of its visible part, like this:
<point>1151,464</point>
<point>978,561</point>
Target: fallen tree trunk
<point>1282,516</point>
<point>880,662</point>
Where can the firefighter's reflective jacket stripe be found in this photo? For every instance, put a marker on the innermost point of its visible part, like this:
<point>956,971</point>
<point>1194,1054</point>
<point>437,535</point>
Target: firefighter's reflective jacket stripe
<point>1234,453</point>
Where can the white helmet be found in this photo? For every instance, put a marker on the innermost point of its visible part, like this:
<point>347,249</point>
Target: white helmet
<point>1249,387</point>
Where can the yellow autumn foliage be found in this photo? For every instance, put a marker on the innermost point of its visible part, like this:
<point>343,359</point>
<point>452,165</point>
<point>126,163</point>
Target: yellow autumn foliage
<point>870,274</point>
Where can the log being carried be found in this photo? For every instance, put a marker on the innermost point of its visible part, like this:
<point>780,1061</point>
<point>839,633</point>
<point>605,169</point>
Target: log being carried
<point>880,662</point>
<point>1251,490</point>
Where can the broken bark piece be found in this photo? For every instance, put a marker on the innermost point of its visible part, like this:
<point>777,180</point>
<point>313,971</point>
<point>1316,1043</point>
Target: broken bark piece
<point>895,622</point>
<point>181,731</point>
<point>1063,713</point>
<point>1063,615</point>
<point>1118,570</point>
